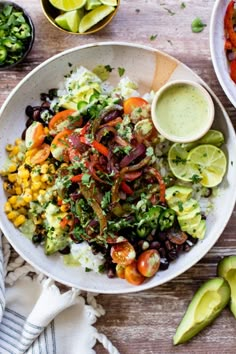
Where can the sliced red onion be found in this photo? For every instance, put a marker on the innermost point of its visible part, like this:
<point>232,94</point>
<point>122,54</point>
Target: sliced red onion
<point>138,151</point>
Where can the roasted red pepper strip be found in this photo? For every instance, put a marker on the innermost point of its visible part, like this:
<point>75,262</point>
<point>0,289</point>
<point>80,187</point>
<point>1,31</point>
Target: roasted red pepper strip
<point>76,178</point>
<point>100,148</point>
<point>161,182</point>
<point>228,22</point>
<point>126,188</point>
<point>131,176</point>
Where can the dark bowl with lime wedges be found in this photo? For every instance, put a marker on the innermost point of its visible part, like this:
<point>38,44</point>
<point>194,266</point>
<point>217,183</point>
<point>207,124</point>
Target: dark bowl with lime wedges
<point>16,34</point>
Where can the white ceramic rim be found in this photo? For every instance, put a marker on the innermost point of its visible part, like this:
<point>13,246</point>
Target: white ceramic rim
<point>224,82</point>
<point>209,244</point>
<point>208,121</point>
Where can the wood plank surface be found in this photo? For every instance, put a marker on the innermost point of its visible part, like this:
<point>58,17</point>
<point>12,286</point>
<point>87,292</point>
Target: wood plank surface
<point>145,322</point>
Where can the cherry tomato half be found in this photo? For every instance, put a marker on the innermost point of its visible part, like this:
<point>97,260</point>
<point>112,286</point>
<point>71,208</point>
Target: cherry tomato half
<point>34,135</point>
<point>123,253</point>
<point>132,274</point>
<point>38,155</point>
<point>120,271</point>
<point>60,145</point>
<point>64,119</point>
<point>133,102</point>
<point>148,262</point>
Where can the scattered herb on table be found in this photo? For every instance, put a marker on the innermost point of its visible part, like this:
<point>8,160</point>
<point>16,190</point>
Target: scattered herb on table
<point>197,25</point>
<point>153,37</point>
<point>121,71</point>
<point>169,11</point>
<point>137,11</point>
<point>169,41</point>
<point>182,5</point>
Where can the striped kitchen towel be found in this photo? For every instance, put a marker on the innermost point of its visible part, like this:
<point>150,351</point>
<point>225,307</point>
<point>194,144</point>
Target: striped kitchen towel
<point>38,318</point>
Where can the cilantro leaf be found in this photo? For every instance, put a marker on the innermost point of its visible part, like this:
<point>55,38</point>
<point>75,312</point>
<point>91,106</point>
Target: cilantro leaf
<point>153,37</point>
<point>197,25</point>
<point>121,71</point>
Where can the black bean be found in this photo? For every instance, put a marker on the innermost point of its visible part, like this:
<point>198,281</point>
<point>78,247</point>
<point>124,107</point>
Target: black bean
<point>162,252</point>
<point>192,239</point>
<point>172,255</point>
<point>45,104</point>
<point>36,115</point>
<point>162,236</point>
<point>23,134</point>
<point>29,122</point>
<point>111,273</point>
<point>164,264</point>
<point>179,248</point>
<point>186,247</point>
<point>43,96</point>
<point>155,244</point>
<point>52,93</point>
<point>66,250</point>
<point>29,111</point>
<point>168,245</point>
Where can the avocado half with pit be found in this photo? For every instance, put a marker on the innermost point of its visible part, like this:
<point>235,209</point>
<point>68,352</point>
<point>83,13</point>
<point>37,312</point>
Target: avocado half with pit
<point>206,305</point>
<point>227,269</point>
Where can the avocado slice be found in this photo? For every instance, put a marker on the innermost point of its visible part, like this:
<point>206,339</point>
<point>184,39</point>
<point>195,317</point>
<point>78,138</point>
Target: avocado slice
<point>196,231</point>
<point>206,305</point>
<point>177,194</point>
<point>227,269</point>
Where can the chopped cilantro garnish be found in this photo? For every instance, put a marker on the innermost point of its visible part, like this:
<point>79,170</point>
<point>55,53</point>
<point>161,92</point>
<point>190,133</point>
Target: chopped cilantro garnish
<point>169,11</point>
<point>197,25</point>
<point>196,178</point>
<point>108,68</point>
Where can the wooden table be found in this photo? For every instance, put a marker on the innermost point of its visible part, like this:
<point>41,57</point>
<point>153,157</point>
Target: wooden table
<point>144,323</point>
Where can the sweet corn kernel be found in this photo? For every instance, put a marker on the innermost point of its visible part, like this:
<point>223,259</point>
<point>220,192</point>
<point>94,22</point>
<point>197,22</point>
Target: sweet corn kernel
<point>44,168</point>
<point>14,151</point>
<point>42,192</point>
<point>12,177</point>
<point>9,187</point>
<point>46,131</point>
<point>51,168</point>
<point>23,173</point>
<point>64,207</point>
<point>13,199</point>
<point>35,178</point>
<point>7,207</point>
<point>18,190</point>
<point>36,186</point>
<point>9,147</point>
<point>12,215</point>
<point>12,168</point>
<point>44,178</point>
<point>25,184</point>
<point>35,196</point>
<point>27,198</point>
<point>18,141</point>
<point>19,220</point>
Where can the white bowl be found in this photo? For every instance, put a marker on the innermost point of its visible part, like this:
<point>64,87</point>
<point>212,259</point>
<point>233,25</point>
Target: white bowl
<point>159,69</point>
<point>204,121</point>
<point>217,41</point>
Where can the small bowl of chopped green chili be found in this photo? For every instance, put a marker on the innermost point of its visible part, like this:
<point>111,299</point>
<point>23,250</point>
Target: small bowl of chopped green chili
<point>16,34</point>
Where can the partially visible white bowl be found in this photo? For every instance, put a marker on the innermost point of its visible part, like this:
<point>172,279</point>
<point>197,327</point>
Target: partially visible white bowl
<point>159,69</point>
<point>217,41</point>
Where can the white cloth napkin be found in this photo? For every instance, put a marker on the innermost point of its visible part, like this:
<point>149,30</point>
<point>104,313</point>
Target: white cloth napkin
<point>37,318</point>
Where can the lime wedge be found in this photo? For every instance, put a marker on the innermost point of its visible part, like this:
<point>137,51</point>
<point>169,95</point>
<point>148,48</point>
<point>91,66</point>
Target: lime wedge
<point>94,16</point>
<point>211,163</point>
<point>213,137</point>
<point>179,163</point>
<point>109,2</point>
<point>67,5</point>
<point>92,4</point>
<point>70,20</point>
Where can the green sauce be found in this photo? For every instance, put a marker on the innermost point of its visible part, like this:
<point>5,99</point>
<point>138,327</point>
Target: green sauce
<point>182,111</point>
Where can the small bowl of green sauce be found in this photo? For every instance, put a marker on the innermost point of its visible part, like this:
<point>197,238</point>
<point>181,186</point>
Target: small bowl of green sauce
<point>182,111</point>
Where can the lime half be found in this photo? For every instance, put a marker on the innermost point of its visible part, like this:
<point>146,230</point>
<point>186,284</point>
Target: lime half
<point>211,163</point>
<point>67,5</point>
<point>180,165</point>
<point>94,16</point>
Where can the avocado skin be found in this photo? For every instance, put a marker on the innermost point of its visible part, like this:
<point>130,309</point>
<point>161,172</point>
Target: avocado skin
<point>227,269</point>
<point>188,326</point>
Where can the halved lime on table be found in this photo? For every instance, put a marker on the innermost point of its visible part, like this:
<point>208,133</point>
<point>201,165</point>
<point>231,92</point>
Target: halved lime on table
<point>68,5</point>
<point>205,164</point>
